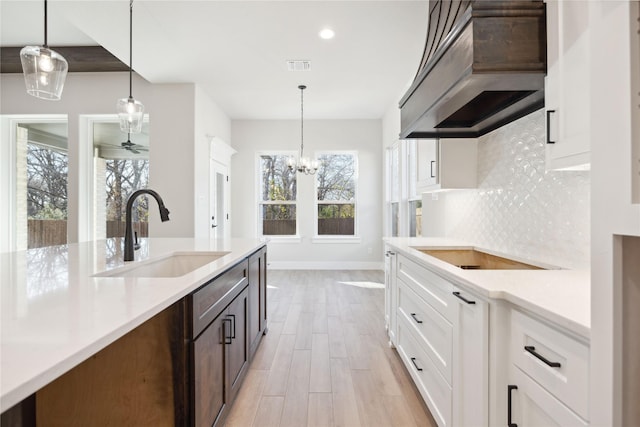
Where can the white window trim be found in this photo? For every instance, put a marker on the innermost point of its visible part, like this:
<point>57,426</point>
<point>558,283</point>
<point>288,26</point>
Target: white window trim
<point>317,238</point>
<point>278,238</point>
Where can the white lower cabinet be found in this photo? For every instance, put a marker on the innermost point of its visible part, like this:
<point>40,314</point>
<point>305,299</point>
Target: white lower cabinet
<point>442,338</point>
<point>390,294</point>
<point>480,362</point>
<point>549,376</point>
<point>470,360</point>
<point>433,387</point>
<point>530,405</point>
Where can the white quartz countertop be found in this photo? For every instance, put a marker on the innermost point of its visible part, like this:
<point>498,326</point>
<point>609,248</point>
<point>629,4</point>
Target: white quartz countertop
<point>55,314</point>
<point>560,295</point>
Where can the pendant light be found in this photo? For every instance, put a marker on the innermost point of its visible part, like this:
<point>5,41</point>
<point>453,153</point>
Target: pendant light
<point>304,164</point>
<point>44,69</point>
<point>130,110</point>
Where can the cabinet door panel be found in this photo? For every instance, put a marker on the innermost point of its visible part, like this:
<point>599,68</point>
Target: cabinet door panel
<point>471,362</point>
<point>533,406</point>
<point>254,300</point>
<point>237,354</point>
<point>208,373</point>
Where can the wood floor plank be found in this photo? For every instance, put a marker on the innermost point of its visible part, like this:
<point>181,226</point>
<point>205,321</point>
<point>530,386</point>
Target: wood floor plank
<point>304,332</point>
<point>269,412</point>
<point>320,365</point>
<point>371,406</point>
<point>293,318</point>
<point>320,412</point>
<point>294,411</point>
<point>345,407</point>
<point>399,412</point>
<point>244,410</point>
<point>337,346</point>
<point>263,359</point>
<point>279,374</point>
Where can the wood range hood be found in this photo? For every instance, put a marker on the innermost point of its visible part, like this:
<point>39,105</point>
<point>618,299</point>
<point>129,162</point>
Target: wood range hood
<point>483,66</point>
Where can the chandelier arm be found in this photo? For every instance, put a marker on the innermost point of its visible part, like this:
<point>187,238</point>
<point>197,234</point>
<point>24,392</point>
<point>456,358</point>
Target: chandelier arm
<point>301,123</point>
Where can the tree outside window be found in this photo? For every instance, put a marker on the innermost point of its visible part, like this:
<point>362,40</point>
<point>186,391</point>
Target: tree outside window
<point>336,194</point>
<point>123,177</point>
<point>278,192</point>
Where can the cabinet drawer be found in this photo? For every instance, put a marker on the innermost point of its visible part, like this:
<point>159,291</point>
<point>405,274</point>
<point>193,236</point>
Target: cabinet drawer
<point>432,386</point>
<point>435,333</point>
<point>429,286</point>
<point>532,341</point>
<point>206,303</point>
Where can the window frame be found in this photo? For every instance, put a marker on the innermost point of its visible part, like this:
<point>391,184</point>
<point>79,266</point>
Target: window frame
<point>338,238</point>
<point>293,238</point>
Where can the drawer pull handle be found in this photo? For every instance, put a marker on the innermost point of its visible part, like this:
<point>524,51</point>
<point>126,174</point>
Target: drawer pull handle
<point>433,175</point>
<point>531,349</point>
<point>415,318</point>
<point>413,360</point>
<point>226,338</point>
<point>510,388</point>
<point>233,325</point>
<point>463,298</point>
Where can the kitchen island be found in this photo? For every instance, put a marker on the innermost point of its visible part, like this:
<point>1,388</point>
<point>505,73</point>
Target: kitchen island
<point>59,307</point>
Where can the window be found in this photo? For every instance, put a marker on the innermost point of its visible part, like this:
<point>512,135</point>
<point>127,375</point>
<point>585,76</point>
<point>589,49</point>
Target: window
<point>277,199</point>
<point>414,198</point>
<point>393,189</point>
<point>336,194</point>
<point>42,168</point>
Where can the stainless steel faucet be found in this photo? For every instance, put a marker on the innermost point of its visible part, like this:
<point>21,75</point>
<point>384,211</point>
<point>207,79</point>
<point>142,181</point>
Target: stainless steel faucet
<point>128,234</point>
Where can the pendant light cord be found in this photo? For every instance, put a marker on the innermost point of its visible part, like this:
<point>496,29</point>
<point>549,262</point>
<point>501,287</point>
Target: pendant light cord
<point>130,48</point>
<point>45,24</point>
<point>302,88</point>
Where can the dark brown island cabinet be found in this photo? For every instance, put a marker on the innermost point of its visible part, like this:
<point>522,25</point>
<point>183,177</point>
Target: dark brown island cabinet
<point>183,367</point>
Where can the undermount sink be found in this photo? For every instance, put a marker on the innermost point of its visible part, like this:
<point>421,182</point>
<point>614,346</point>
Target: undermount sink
<point>473,259</point>
<point>175,265</point>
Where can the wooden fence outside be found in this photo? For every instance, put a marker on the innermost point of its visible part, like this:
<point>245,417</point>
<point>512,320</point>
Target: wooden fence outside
<point>46,232</point>
<point>329,226</point>
<point>49,232</point>
<point>116,228</point>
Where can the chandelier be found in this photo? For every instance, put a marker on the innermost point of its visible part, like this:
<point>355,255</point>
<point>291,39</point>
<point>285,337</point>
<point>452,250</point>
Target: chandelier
<point>304,164</point>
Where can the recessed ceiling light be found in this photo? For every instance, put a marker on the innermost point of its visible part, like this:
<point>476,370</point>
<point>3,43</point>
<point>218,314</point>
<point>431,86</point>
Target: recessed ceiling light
<point>327,33</point>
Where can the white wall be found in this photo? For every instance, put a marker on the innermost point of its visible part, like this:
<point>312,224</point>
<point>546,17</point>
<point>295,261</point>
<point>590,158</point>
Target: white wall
<point>364,136</point>
<point>177,112</point>
<point>210,121</point>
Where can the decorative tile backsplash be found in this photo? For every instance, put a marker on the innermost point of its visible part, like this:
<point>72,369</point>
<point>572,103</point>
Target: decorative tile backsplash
<point>519,208</point>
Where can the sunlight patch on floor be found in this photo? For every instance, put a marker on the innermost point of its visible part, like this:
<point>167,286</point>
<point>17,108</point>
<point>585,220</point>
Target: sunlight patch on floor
<point>369,285</point>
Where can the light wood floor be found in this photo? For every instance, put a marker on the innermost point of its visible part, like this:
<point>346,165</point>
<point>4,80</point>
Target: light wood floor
<point>325,360</point>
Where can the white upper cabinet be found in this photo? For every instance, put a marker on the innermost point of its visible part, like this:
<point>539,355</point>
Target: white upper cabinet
<point>567,85</point>
<point>446,164</point>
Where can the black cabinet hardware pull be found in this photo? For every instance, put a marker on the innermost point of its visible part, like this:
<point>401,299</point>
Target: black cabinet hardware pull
<point>415,318</point>
<point>413,360</point>
<point>389,253</point>
<point>463,298</point>
<point>510,388</point>
<point>531,349</point>
<point>233,326</point>
<point>549,112</point>
<point>433,162</point>
<point>226,336</point>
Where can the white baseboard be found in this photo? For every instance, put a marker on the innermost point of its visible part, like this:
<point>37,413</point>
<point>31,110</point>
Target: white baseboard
<point>348,265</point>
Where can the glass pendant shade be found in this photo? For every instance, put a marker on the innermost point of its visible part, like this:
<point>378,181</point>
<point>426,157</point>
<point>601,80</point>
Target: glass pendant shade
<point>45,71</point>
<point>130,114</point>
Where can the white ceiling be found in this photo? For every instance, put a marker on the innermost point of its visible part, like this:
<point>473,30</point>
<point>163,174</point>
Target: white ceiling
<point>237,50</point>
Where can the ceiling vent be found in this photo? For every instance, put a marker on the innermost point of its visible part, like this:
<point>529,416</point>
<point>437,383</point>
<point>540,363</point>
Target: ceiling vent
<point>299,65</point>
